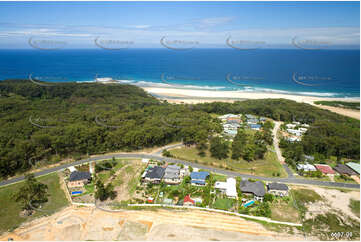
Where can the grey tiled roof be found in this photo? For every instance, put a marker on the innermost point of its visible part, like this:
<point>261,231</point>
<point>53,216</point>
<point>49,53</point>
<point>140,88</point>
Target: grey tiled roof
<point>277,186</point>
<point>79,175</point>
<point>156,172</point>
<point>257,188</point>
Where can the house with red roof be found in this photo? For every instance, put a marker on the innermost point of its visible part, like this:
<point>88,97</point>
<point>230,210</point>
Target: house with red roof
<point>325,169</point>
<point>188,201</point>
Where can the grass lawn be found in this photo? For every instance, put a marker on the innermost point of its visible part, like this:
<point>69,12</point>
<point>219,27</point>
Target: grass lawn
<point>223,203</point>
<point>266,167</point>
<point>355,207</point>
<point>9,210</point>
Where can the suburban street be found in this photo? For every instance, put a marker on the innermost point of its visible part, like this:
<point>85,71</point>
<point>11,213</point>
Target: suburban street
<point>194,165</point>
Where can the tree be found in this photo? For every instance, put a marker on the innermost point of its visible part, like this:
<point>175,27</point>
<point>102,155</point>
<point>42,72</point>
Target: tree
<point>103,193</point>
<point>32,194</point>
<point>219,148</point>
<point>268,197</point>
<point>249,152</point>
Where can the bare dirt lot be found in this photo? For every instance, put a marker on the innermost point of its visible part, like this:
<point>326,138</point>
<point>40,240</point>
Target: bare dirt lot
<point>92,224</point>
<point>333,199</point>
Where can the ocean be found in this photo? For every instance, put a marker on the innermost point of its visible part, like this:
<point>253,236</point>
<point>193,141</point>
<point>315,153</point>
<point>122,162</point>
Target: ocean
<point>322,73</point>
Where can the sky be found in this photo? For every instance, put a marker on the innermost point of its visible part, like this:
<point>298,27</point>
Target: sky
<point>153,24</point>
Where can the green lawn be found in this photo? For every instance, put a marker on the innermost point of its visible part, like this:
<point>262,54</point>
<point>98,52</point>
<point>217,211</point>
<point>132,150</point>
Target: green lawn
<point>9,209</point>
<point>266,167</point>
<point>223,203</point>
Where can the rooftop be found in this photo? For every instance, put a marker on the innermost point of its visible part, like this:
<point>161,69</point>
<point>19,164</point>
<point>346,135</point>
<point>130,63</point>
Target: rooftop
<point>343,169</point>
<point>257,188</point>
<point>79,175</point>
<point>354,166</point>
<point>156,172</point>
<point>325,169</point>
<point>201,175</point>
<point>277,186</point>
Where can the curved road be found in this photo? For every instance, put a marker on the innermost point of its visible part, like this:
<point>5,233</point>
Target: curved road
<point>173,160</point>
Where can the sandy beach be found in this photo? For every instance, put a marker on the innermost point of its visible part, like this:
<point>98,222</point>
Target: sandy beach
<point>191,96</point>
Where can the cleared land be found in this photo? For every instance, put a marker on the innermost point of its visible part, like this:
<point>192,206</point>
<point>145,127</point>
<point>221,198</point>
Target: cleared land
<point>90,224</point>
<point>10,210</point>
<point>266,167</point>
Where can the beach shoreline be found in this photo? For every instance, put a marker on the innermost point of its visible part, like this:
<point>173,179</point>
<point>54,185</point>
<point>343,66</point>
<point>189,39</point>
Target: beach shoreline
<point>193,96</point>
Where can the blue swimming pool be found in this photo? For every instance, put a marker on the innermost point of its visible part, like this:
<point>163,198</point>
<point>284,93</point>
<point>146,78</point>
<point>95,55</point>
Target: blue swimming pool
<point>76,192</point>
<point>248,203</point>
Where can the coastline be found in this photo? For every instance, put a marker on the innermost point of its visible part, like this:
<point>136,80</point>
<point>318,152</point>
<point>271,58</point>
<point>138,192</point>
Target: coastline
<point>191,96</point>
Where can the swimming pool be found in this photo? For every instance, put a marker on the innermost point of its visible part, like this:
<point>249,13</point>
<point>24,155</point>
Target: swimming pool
<point>248,203</point>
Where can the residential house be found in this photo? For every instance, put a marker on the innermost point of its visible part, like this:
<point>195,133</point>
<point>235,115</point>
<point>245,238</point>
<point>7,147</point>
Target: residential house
<point>278,189</point>
<point>229,187</point>
<point>250,116</point>
<point>252,121</point>
<point>230,132</point>
<point>291,126</point>
<point>79,179</point>
<point>172,174</point>
<point>262,119</point>
<point>306,167</point>
<point>344,170</point>
<point>255,188</point>
<point>293,139</point>
<point>309,157</point>
<point>255,126</point>
<point>187,201</point>
<point>199,178</point>
<point>303,130</point>
<point>354,166</point>
<point>294,132</point>
<point>325,169</point>
<point>154,175</point>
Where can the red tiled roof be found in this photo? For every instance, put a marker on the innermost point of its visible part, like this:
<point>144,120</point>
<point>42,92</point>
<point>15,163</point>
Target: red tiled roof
<point>325,169</point>
<point>188,199</point>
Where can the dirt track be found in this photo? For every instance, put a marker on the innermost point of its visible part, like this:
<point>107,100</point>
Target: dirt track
<point>90,224</point>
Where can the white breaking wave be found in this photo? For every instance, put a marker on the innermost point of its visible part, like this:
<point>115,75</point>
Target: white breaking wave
<point>248,89</point>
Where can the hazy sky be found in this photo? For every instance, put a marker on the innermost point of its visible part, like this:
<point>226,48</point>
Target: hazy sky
<point>143,24</point>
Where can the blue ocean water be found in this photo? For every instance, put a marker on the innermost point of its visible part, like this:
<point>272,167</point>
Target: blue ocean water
<point>328,73</point>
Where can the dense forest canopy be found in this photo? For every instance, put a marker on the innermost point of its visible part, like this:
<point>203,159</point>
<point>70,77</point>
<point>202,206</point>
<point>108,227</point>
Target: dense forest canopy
<point>42,124</point>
